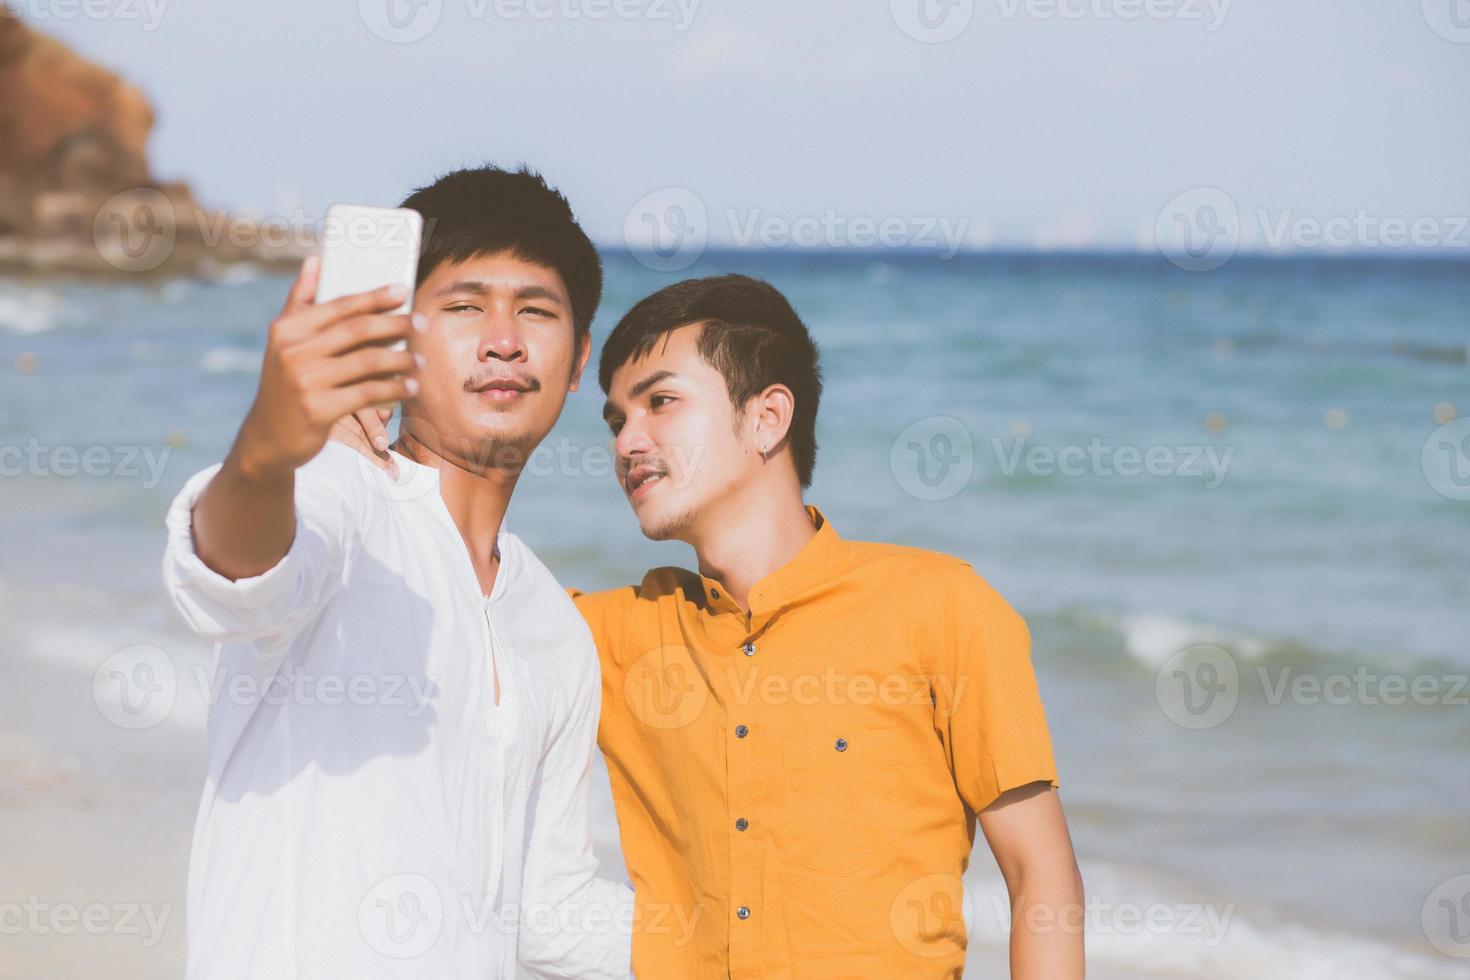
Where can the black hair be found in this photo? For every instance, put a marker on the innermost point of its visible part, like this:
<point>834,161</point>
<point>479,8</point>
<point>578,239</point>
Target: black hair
<point>751,335</point>
<point>484,210</point>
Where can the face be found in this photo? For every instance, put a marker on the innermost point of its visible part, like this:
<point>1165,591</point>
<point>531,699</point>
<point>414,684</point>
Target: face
<point>682,448</point>
<point>499,360</point>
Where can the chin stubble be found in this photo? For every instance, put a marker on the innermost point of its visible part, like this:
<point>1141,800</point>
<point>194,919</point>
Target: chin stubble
<point>669,528</point>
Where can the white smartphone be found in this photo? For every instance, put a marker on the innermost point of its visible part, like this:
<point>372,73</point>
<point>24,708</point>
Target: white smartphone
<point>364,248</point>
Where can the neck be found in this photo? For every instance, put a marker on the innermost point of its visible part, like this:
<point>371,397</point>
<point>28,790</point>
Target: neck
<point>751,537</point>
<point>476,498</point>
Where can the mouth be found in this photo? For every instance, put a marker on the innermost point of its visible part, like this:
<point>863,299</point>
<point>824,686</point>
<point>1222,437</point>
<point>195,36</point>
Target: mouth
<point>641,480</point>
<point>502,390</point>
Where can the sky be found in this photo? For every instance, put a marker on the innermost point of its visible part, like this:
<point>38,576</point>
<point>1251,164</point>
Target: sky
<point>999,123</point>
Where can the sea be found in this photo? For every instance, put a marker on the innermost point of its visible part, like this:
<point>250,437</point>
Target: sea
<point>1233,507</point>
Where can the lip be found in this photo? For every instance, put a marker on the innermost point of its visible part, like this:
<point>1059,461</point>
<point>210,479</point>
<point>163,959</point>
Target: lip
<point>497,394</point>
<point>640,491</point>
<point>502,390</point>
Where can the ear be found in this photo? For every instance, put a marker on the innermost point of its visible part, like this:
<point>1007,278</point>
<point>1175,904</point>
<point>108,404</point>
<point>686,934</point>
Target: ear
<point>584,351</point>
<point>771,414</point>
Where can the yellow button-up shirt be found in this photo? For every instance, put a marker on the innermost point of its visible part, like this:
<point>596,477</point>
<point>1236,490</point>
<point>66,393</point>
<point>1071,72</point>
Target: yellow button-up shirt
<point>796,787</point>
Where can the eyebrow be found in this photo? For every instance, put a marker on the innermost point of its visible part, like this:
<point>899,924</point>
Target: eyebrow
<point>638,389</point>
<point>476,287</point>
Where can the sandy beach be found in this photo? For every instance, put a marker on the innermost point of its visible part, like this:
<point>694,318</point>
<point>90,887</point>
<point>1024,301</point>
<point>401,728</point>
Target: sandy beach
<point>98,822</point>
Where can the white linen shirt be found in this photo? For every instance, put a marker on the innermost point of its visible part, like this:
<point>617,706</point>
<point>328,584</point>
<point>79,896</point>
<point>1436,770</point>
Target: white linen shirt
<point>370,811</point>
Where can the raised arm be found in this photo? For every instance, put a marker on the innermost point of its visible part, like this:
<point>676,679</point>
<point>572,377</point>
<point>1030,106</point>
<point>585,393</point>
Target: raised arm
<point>321,362</point>
<point>258,542</point>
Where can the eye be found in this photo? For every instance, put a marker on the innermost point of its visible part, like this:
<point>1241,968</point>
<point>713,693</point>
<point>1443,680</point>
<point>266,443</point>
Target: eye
<point>658,401</point>
<point>538,311</point>
<point>614,425</point>
<point>461,307</point>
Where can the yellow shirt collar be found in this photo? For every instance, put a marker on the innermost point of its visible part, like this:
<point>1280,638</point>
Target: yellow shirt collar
<point>809,567</point>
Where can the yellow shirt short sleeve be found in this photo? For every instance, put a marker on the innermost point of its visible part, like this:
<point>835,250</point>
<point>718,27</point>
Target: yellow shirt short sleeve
<point>987,704</point>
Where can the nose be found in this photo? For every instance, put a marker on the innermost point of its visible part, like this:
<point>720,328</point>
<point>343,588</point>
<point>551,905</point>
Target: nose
<point>632,444</point>
<point>502,340</point>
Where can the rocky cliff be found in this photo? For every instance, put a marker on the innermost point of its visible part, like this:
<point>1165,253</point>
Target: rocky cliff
<point>77,193</point>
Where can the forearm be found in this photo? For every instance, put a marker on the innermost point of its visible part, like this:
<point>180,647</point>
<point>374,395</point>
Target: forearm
<point>245,519</point>
<point>1048,915</point>
<point>322,361</point>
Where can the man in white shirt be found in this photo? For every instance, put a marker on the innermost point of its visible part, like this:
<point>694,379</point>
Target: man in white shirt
<point>407,703</point>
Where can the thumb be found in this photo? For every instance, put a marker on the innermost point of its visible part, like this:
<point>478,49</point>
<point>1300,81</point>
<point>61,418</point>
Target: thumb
<point>303,290</point>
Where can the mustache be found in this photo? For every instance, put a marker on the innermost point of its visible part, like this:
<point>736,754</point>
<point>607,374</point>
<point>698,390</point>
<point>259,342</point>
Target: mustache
<point>485,379</point>
<point>654,465</point>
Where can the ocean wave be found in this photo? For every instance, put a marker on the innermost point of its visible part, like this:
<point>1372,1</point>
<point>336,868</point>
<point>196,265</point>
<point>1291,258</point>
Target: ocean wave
<point>230,360</point>
<point>1434,353</point>
<point>107,635</point>
<point>1260,340</point>
<point>1152,638</point>
<point>1139,925</point>
<point>1149,639</point>
<point>29,310</point>
<point>237,273</point>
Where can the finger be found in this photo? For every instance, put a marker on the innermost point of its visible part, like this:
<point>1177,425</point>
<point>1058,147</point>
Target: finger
<point>347,432</point>
<point>371,420</point>
<point>303,290</point>
<point>361,365</point>
<point>318,316</point>
<point>358,331</point>
<point>379,391</point>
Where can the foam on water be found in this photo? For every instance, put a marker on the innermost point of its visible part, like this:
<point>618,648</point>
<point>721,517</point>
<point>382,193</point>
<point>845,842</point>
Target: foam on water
<point>1150,929</point>
<point>28,310</point>
<point>1152,638</point>
<point>240,272</point>
<point>230,360</point>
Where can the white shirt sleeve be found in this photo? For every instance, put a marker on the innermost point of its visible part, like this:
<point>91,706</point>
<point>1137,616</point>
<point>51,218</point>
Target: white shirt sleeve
<point>332,509</point>
<point>573,924</point>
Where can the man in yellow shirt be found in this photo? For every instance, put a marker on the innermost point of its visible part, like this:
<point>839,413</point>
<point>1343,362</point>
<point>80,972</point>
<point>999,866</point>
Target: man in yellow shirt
<point>803,733</point>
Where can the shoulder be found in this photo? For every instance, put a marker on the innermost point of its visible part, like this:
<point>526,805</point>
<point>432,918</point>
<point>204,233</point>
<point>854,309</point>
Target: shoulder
<point>941,590</point>
<point>342,474</point>
<point>544,620</point>
<point>552,602</point>
<point>337,462</point>
<point>904,567</point>
<point>658,583</point>
<point>629,614</point>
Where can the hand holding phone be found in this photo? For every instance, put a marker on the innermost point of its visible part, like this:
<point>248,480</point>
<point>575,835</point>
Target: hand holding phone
<point>324,361</point>
<point>365,248</point>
